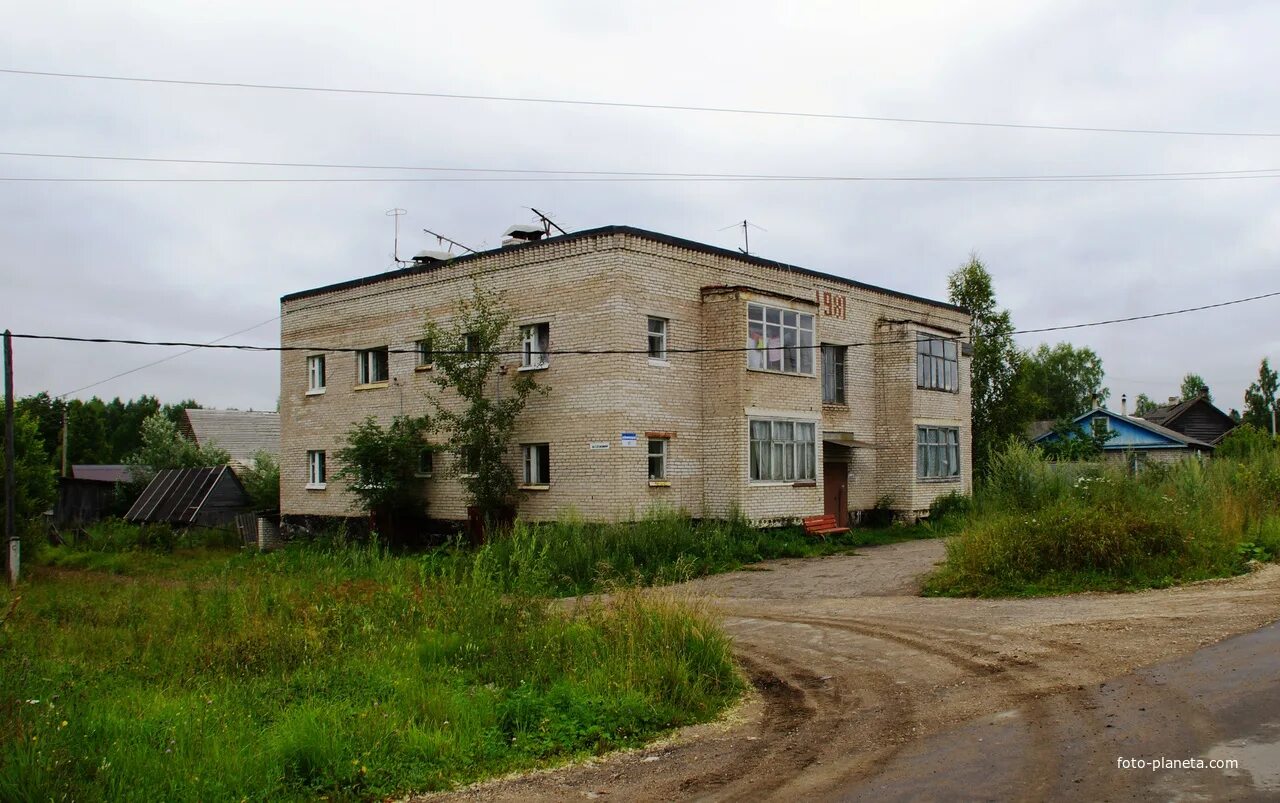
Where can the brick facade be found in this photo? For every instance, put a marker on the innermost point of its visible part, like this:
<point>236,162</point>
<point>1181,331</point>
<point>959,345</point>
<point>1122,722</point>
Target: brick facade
<point>597,290</point>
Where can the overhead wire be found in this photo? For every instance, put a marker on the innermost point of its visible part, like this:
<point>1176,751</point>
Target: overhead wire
<point>617,104</point>
<point>165,359</point>
<point>645,173</point>
<point>624,179</point>
<point>591,352</point>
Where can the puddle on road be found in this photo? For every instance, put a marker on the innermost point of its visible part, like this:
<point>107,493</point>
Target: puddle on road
<point>1259,758</point>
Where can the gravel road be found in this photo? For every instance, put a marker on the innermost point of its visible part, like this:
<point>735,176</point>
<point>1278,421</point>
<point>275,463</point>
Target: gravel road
<point>857,679</point>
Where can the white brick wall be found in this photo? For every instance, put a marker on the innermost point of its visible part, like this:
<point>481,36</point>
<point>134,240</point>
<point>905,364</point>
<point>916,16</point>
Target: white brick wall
<point>597,291</point>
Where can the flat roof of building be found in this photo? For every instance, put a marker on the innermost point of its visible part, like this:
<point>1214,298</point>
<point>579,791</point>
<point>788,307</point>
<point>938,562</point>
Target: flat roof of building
<point>679,242</point>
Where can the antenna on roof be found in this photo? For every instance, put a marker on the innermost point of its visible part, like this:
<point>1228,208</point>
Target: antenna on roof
<point>440,238</point>
<point>395,248</point>
<point>746,237</point>
<point>547,223</point>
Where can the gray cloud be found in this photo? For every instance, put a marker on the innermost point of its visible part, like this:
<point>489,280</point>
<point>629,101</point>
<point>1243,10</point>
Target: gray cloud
<point>195,262</point>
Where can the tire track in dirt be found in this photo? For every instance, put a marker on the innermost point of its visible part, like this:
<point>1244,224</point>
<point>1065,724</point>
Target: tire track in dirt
<point>1052,708</point>
<point>1016,677</point>
<point>860,687</point>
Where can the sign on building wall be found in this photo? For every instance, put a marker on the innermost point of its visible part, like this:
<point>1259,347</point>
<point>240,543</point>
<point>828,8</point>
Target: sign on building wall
<point>628,439</point>
<point>832,305</point>
<point>598,445</point>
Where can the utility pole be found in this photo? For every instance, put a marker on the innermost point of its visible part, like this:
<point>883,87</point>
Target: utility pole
<point>10,470</point>
<point>65,442</point>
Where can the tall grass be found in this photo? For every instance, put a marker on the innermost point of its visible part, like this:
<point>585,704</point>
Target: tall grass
<point>1040,527</point>
<point>571,556</point>
<point>338,671</point>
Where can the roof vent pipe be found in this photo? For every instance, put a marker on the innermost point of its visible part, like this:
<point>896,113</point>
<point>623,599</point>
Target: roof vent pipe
<point>426,257</point>
<point>522,233</point>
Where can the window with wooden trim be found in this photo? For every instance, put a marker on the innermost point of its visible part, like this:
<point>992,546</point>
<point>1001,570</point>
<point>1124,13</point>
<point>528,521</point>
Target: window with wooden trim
<point>371,366</point>
<point>832,374</point>
<point>937,452</point>
<point>657,331</point>
<point>779,340</point>
<point>315,468</point>
<point>782,450</point>
<point>423,353</point>
<point>533,345</point>
<point>937,364</point>
<point>315,373</point>
<point>537,464</point>
<point>658,448</point>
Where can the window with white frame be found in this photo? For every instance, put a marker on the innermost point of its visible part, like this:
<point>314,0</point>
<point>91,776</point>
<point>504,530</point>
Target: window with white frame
<point>779,340</point>
<point>657,338</point>
<point>315,468</point>
<point>937,364</point>
<point>937,452</point>
<point>533,345</point>
<point>658,448</point>
<point>423,353</point>
<point>1100,426</point>
<point>537,464</point>
<point>471,343</point>
<point>783,450</point>
<point>371,366</point>
<point>832,374</point>
<point>315,373</point>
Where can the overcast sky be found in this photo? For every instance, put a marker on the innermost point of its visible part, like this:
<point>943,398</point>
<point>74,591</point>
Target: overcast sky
<point>201,261</point>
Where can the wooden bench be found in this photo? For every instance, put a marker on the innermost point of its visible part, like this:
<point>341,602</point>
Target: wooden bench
<point>822,526</point>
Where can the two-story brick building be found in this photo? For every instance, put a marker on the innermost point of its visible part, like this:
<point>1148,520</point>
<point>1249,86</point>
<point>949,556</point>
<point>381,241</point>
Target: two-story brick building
<point>753,385</point>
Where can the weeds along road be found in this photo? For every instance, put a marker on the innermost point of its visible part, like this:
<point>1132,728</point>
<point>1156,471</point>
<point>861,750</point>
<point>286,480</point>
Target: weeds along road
<point>865,691</point>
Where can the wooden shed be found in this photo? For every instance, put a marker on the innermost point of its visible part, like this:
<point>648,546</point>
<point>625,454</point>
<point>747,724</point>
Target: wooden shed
<point>209,497</point>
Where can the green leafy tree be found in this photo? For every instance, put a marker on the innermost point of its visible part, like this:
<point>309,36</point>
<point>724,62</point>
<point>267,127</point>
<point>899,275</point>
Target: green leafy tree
<point>1246,442</point>
<point>164,447</point>
<point>1063,381</point>
<point>999,407</point>
<point>1143,404</point>
<point>1194,385</point>
<point>479,429</point>
<point>380,466</point>
<point>1073,443</point>
<point>262,481</point>
<point>37,483</point>
<point>1260,400</point>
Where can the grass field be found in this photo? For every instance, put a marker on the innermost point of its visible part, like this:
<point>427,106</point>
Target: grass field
<point>343,672</point>
<point>151,665</point>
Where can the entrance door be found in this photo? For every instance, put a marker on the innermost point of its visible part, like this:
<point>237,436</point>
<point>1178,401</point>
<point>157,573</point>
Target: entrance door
<point>835,491</point>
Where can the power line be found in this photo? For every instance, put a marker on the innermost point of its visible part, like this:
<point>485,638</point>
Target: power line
<point>638,173</point>
<point>163,359</point>
<point>589,352</point>
<point>639,179</point>
<point>644,106</point>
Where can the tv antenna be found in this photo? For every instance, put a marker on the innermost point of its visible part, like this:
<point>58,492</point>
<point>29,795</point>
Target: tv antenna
<point>395,214</point>
<point>440,238</point>
<point>745,225</point>
<point>547,223</point>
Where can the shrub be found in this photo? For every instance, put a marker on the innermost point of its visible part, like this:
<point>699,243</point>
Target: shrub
<point>1037,527</point>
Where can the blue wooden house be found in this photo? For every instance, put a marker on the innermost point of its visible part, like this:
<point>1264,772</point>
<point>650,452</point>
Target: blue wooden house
<point>1134,437</point>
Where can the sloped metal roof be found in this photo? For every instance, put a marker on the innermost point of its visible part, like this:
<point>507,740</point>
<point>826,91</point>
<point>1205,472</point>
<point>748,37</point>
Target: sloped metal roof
<point>240,433</point>
<point>176,495</point>
<point>102,473</point>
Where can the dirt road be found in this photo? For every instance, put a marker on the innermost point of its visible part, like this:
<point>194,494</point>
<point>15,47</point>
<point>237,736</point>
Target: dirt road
<point>857,680</point>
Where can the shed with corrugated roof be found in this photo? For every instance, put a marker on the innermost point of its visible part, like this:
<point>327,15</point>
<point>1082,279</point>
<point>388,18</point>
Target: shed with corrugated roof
<point>209,497</point>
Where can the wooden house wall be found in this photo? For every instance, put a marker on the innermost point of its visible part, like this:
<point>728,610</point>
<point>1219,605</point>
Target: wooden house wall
<point>1201,423</point>
<point>225,500</point>
<point>82,501</point>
